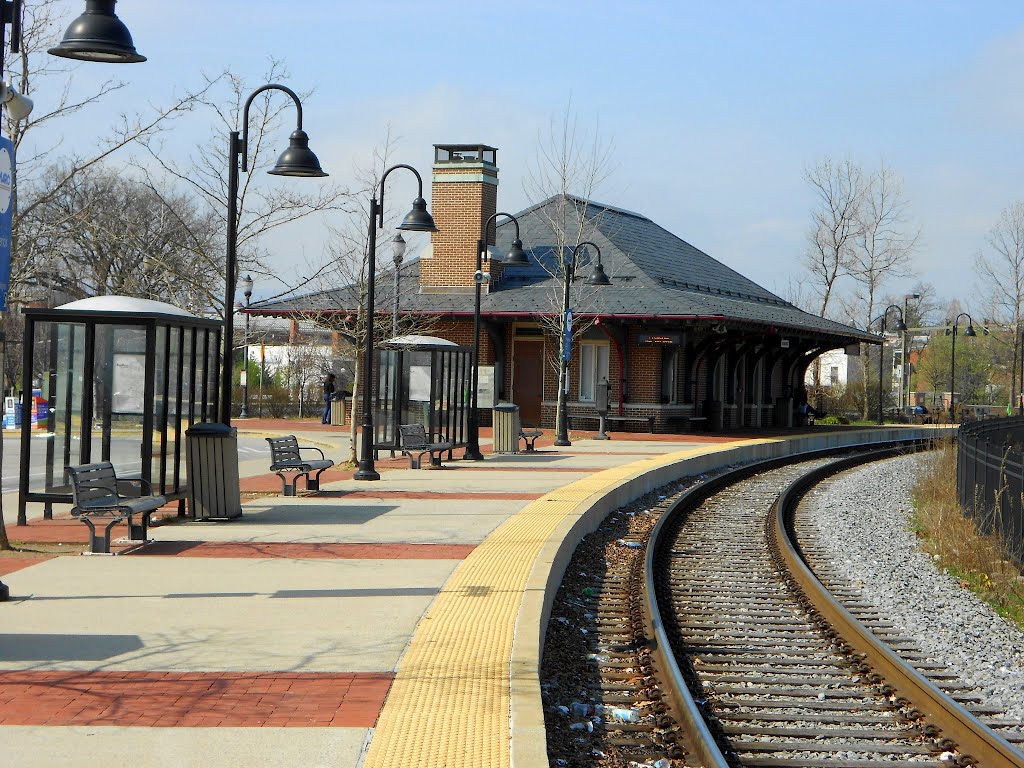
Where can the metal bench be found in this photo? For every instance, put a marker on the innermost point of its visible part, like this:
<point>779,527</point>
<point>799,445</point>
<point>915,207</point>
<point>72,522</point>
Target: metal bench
<point>414,441</point>
<point>96,494</point>
<point>649,420</point>
<point>286,456</point>
<point>529,436</point>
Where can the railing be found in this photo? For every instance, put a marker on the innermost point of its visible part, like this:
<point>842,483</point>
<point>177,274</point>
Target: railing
<point>990,478</point>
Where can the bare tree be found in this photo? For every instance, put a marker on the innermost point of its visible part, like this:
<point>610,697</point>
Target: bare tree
<point>103,233</point>
<point>570,166</point>
<point>42,171</point>
<point>835,224</point>
<point>882,248</point>
<point>1001,275</point>
<point>262,207</point>
<point>839,188</point>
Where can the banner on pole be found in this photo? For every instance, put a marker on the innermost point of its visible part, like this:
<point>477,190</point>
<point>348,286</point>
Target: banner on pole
<point>6,215</point>
<point>567,335</point>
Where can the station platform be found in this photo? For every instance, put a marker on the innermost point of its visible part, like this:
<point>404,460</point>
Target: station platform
<point>376,624</point>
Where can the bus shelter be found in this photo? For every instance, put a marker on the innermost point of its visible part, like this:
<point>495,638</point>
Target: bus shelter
<point>422,380</point>
<point>118,379</point>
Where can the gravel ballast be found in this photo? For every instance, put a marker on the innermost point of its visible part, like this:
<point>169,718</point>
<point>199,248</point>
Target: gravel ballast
<point>863,519</point>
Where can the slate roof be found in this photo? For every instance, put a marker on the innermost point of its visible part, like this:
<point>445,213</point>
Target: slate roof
<point>654,275</point>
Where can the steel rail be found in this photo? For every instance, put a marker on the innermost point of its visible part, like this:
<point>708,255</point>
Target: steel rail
<point>684,708</point>
<point>971,736</point>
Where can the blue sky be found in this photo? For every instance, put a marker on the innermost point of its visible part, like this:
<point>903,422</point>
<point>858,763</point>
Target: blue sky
<point>714,109</point>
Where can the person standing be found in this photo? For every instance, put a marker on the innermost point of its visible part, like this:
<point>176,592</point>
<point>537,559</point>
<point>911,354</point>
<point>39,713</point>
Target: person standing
<point>329,388</point>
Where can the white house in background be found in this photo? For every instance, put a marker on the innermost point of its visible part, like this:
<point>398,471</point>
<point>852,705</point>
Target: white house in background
<point>837,369</point>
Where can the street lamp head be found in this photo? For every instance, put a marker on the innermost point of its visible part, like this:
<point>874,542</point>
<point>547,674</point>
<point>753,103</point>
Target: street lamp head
<point>900,325</point>
<point>98,35</point>
<point>398,246</point>
<point>517,256</point>
<point>599,277</point>
<point>247,286</point>
<point>970,331</point>
<point>418,219</point>
<point>298,159</point>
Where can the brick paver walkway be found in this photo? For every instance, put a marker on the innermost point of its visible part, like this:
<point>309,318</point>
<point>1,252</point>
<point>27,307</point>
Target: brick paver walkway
<point>200,699</point>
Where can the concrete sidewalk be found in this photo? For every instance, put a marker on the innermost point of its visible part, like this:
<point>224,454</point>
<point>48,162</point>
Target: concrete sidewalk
<point>269,640</point>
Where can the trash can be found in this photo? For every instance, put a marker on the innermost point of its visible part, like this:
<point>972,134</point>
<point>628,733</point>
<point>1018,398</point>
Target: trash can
<point>505,421</point>
<point>338,410</point>
<point>211,455</point>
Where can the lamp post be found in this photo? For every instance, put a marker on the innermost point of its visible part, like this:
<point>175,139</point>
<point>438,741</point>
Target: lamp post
<point>952,360</point>
<point>516,256</point>
<point>247,292</point>
<point>297,160</point>
<point>398,246</point>
<point>568,274</point>
<point>417,220</point>
<point>900,326</point>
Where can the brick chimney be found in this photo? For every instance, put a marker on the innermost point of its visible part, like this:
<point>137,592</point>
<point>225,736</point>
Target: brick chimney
<point>464,194</point>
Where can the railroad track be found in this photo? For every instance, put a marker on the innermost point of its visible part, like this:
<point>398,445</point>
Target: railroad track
<point>744,658</point>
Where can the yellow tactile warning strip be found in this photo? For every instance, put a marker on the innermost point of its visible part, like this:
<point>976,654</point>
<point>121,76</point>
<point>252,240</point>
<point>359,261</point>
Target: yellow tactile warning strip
<point>449,704</point>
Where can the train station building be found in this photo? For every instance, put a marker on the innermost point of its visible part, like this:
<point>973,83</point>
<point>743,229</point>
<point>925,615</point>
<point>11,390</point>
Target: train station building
<point>681,338</point>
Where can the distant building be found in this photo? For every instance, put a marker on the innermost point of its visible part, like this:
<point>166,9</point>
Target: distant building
<point>676,333</point>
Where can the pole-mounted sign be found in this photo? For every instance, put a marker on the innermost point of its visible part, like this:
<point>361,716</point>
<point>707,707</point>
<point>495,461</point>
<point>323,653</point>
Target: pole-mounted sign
<point>567,335</point>
<point>6,215</point>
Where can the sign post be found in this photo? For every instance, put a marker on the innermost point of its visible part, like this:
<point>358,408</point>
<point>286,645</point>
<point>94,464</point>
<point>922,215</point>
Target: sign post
<point>6,216</point>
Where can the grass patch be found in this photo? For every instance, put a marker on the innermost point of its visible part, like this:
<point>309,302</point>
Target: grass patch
<point>958,543</point>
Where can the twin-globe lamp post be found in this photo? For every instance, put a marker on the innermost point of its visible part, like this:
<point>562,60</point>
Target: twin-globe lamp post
<point>417,220</point>
<point>516,257</point>
<point>900,326</point>
<point>398,246</point>
<point>969,333</point>
<point>598,277</point>
<point>296,160</point>
<point>96,35</point>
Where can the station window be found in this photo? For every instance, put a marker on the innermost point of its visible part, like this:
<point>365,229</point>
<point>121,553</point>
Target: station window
<point>593,368</point>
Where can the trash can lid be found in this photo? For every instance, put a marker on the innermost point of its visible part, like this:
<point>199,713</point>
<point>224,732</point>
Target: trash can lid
<point>504,407</point>
<point>211,429</point>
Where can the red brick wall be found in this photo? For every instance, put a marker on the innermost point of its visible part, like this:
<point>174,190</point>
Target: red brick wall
<point>460,209</point>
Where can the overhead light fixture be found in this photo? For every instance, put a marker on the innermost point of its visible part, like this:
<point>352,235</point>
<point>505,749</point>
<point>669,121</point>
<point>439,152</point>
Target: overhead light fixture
<point>98,35</point>
<point>18,107</point>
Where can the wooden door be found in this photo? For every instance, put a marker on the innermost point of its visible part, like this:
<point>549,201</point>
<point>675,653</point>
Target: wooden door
<point>528,379</point>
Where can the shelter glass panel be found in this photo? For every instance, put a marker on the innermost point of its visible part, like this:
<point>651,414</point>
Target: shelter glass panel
<point>55,442</point>
<point>172,408</point>
<point>118,397</point>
